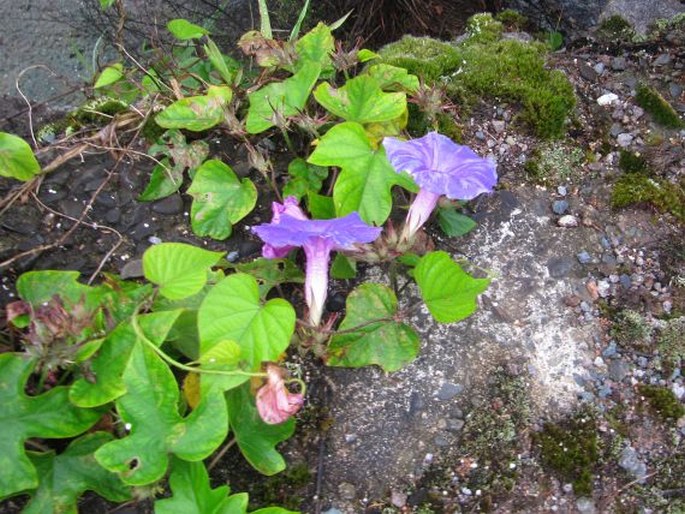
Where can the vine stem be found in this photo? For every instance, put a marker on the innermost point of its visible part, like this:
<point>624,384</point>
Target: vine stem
<point>169,360</point>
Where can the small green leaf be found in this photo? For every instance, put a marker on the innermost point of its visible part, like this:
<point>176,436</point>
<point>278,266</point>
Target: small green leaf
<point>454,223</point>
<point>149,410</point>
<point>392,78</point>
<point>110,75</point>
<point>49,415</point>
<point>218,60</point>
<point>386,342</point>
<point>64,477</point>
<point>285,98</point>
<point>105,383</point>
<point>343,268</point>
<point>271,273</point>
<point>362,100</point>
<point>257,440</point>
<point>304,178</point>
<point>316,46</point>
<point>298,24</point>
<point>366,180</point>
<point>38,287</point>
<point>196,113</point>
<point>104,4</point>
<point>165,180</point>
<point>189,482</point>
<point>321,207</point>
<point>365,55</point>
<point>184,30</point>
<point>232,311</point>
<point>220,199</point>
<point>180,270</point>
<point>449,292</point>
<point>16,158</point>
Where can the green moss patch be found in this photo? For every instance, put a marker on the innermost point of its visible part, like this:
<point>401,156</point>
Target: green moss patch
<point>671,342</point>
<point>631,329</point>
<point>571,450</point>
<point>662,401</point>
<point>632,162</point>
<point>486,66</point>
<point>554,162</point>
<point>636,188</point>
<point>615,29</point>
<point>663,113</point>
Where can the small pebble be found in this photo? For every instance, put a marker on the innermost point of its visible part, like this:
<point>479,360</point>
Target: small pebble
<point>624,139</point>
<point>603,288</point>
<point>607,99</point>
<point>567,221</point>
<point>449,391</point>
<point>560,207</point>
<point>584,257</point>
<point>618,63</point>
<point>562,190</point>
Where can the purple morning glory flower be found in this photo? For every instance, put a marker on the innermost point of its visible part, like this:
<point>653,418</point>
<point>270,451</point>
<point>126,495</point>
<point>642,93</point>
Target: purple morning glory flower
<point>289,207</point>
<point>440,167</point>
<point>318,238</point>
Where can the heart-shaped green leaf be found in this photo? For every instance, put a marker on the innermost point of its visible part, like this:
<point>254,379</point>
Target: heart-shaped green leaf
<point>16,158</point>
<point>233,311</point>
<point>257,440</point>
<point>362,100</point>
<point>366,180</point>
<point>38,287</point>
<point>184,30</point>
<point>180,270</point>
<point>387,343</point>
<point>196,113</point>
<point>281,99</point>
<point>49,415</point>
<point>149,410</point>
<point>449,292</point>
<point>220,199</point>
<point>104,382</point>
<point>64,477</point>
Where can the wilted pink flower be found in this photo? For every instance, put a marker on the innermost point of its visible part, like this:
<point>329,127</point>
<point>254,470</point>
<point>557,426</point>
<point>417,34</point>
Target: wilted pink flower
<point>275,403</point>
<point>440,167</point>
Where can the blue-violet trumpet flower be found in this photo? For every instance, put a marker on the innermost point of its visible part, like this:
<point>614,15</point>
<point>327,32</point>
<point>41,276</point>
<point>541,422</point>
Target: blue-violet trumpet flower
<point>318,238</point>
<point>440,167</point>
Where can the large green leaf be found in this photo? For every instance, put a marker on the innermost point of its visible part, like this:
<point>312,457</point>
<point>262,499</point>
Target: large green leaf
<point>49,415</point>
<point>449,292</point>
<point>64,477</point>
<point>104,382</point>
<point>257,440</point>
<point>366,180</point>
<point>196,113</point>
<point>281,99</point>
<point>388,343</point>
<point>220,199</point>
<point>233,311</point>
<point>362,100</point>
<point>192,494</point>
<point>149,410</point>
<point>16,158</point>
<point>180,270</point>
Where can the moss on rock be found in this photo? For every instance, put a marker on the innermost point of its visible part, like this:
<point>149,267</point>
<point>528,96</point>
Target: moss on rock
<point>571,450</point>
<point>483,65</point>
<point>663,113</point>
<point>662,401</point>
<point>635,188</point>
